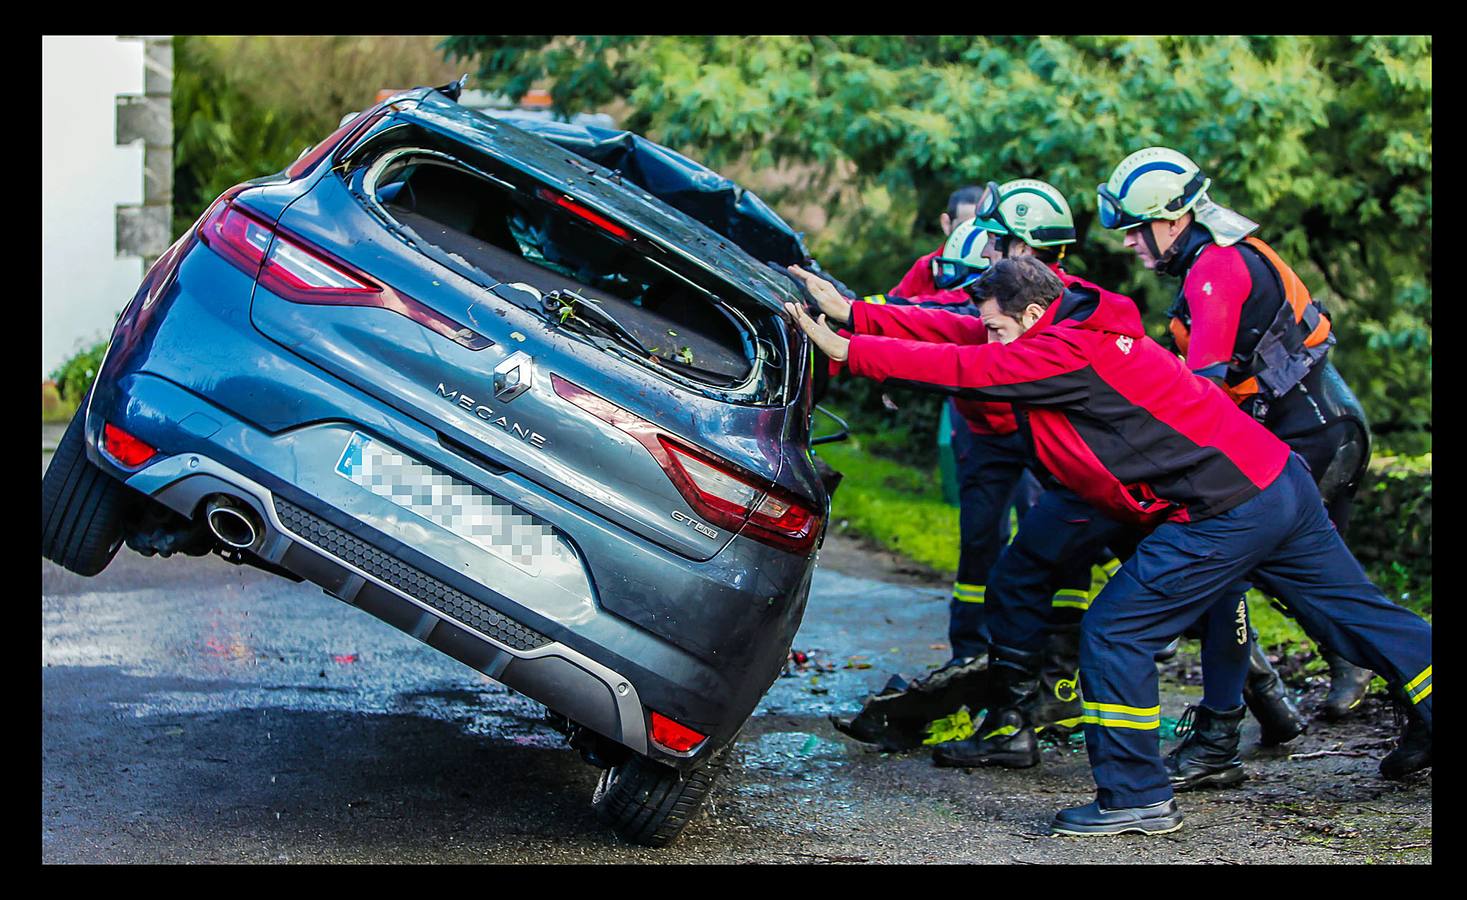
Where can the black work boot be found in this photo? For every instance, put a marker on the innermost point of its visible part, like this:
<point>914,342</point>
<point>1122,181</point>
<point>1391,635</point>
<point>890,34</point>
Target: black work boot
<point>1347,685</point>
<point>1278,718</point>
<point>896,719</point>
<point>1413,750</point>
<point>1093,819</point>
<point>1055,706</point>
<point>1005,738</point>
<point>1208,754</point>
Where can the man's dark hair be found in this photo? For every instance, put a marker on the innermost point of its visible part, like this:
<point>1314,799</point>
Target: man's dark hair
<point>1016,283</point>
<point>968,195</point>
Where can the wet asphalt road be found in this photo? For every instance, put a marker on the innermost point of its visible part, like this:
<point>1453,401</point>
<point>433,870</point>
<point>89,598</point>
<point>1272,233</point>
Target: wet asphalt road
<point>193,711</point>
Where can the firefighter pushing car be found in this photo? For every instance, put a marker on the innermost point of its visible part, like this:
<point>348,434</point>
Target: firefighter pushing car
<point>1125,425</point>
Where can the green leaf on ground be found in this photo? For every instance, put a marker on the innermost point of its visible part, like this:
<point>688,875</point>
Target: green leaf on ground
<point>956,727</point>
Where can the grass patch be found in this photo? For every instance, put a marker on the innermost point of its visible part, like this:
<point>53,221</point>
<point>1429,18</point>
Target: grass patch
<point>898,506</point>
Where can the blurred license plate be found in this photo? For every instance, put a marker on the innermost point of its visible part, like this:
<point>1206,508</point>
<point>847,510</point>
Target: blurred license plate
<point>463,509</point>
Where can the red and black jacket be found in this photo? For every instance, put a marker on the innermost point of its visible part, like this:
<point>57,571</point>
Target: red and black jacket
<point>1112,414</point>
<point>982,416</point>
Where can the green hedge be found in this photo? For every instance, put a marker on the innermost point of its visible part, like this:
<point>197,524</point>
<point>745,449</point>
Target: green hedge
<point>74,376</point>
<point>1390,529</point>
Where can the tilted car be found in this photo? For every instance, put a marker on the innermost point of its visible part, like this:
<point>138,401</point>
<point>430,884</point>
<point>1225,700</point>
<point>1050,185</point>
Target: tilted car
<point>496,395</point>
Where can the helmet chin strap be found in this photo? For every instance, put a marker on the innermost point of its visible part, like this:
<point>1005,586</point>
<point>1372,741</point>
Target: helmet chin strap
<point>1149,237</point>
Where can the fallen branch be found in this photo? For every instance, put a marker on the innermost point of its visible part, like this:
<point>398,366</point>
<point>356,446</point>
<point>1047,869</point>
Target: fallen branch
<point>1318,753</point>
<point>821,856</point>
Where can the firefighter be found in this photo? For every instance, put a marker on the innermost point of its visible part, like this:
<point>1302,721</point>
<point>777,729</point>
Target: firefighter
<point>1123,423</point>
<point>993,476</point>
<point>989,453</point>
<point>1245,320</point>
<point>1029,217</point>
<point>990,461</point>
<point>1034,657</point>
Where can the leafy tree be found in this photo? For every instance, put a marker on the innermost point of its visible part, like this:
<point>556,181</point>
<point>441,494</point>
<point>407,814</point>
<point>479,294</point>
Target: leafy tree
<point>1325,140</point>
<point>247,105</point>
<point>220,137</point>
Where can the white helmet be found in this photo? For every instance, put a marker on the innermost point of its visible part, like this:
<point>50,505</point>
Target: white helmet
<point>962,259</point>
<point>1154,183</point>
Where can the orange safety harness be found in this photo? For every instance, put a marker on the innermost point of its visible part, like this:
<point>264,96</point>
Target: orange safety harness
<point>1297,339</point>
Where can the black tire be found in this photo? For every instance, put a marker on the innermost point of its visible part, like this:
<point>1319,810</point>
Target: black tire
<point>647,803</point>
<point>82,507</point>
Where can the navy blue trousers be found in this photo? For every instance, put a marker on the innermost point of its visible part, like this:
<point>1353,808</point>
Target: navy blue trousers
<point>992,477</point>
<point>1042,577</point>
<point>1042,580</point>
<point>1283,541</point>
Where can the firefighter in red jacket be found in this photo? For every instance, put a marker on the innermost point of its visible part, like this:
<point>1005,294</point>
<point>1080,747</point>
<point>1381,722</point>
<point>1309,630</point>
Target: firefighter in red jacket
<point>1121,421</point>
<point>989,454</point>
<point>1244,319</point>
<point>1036,649</point>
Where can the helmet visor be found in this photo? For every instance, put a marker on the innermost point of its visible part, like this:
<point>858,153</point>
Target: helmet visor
<point>1112,213</point>
<point>988,202</point>
<point>949,274</point>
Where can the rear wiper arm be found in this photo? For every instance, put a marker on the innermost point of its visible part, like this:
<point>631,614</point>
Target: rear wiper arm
<point>565,304</point>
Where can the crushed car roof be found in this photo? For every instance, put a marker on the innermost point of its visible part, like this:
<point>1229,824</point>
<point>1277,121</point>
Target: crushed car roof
<point>600,188</point>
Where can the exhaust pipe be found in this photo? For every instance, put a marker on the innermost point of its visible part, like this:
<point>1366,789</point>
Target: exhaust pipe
<point>233,522</point>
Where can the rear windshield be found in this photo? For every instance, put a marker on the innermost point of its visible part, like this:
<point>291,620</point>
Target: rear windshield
<point>529,235</point>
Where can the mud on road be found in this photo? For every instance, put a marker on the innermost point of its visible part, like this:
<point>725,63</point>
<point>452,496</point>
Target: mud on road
<point>194,711</point>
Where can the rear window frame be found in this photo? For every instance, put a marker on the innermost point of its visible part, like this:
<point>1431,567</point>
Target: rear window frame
<point>770,381</point>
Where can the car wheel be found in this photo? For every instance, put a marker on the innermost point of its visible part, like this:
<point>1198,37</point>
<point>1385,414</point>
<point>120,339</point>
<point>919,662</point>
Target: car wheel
<point>648,803</point>
<point>82,507</point>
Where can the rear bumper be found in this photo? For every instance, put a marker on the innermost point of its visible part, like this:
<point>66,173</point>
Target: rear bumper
<point>350,567</point>
<point>558,636</point>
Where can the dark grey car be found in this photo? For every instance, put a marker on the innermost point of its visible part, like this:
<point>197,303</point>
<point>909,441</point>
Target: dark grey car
<point>499,397</point>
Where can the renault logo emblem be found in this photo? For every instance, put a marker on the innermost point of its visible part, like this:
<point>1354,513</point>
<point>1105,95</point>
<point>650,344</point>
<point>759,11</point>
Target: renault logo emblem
<point>512,377</point>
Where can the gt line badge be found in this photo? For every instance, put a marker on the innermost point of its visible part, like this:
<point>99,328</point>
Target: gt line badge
<point>696,525</point>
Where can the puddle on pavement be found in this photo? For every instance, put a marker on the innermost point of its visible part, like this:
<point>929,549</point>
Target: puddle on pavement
<point>497,714</point>
<point>785,780</point>
<point>792,754</point>
<point>830,684</point>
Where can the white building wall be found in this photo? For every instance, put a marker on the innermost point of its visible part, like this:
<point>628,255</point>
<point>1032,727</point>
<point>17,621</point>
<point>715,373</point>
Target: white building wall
<point>84,177</point>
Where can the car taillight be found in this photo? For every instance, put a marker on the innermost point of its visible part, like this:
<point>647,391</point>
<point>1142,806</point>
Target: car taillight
<point>237,236</point>
<point>295,270</point>
<point>589,215</point>
<point>123,447</point>
<point>716,489</point>
<point>672,736</point>
<point>296,273</point>
<point>782,520</point>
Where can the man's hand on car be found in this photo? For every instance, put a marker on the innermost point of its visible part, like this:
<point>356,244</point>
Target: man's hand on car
<point>830,343</point>
<point>831,302</point>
